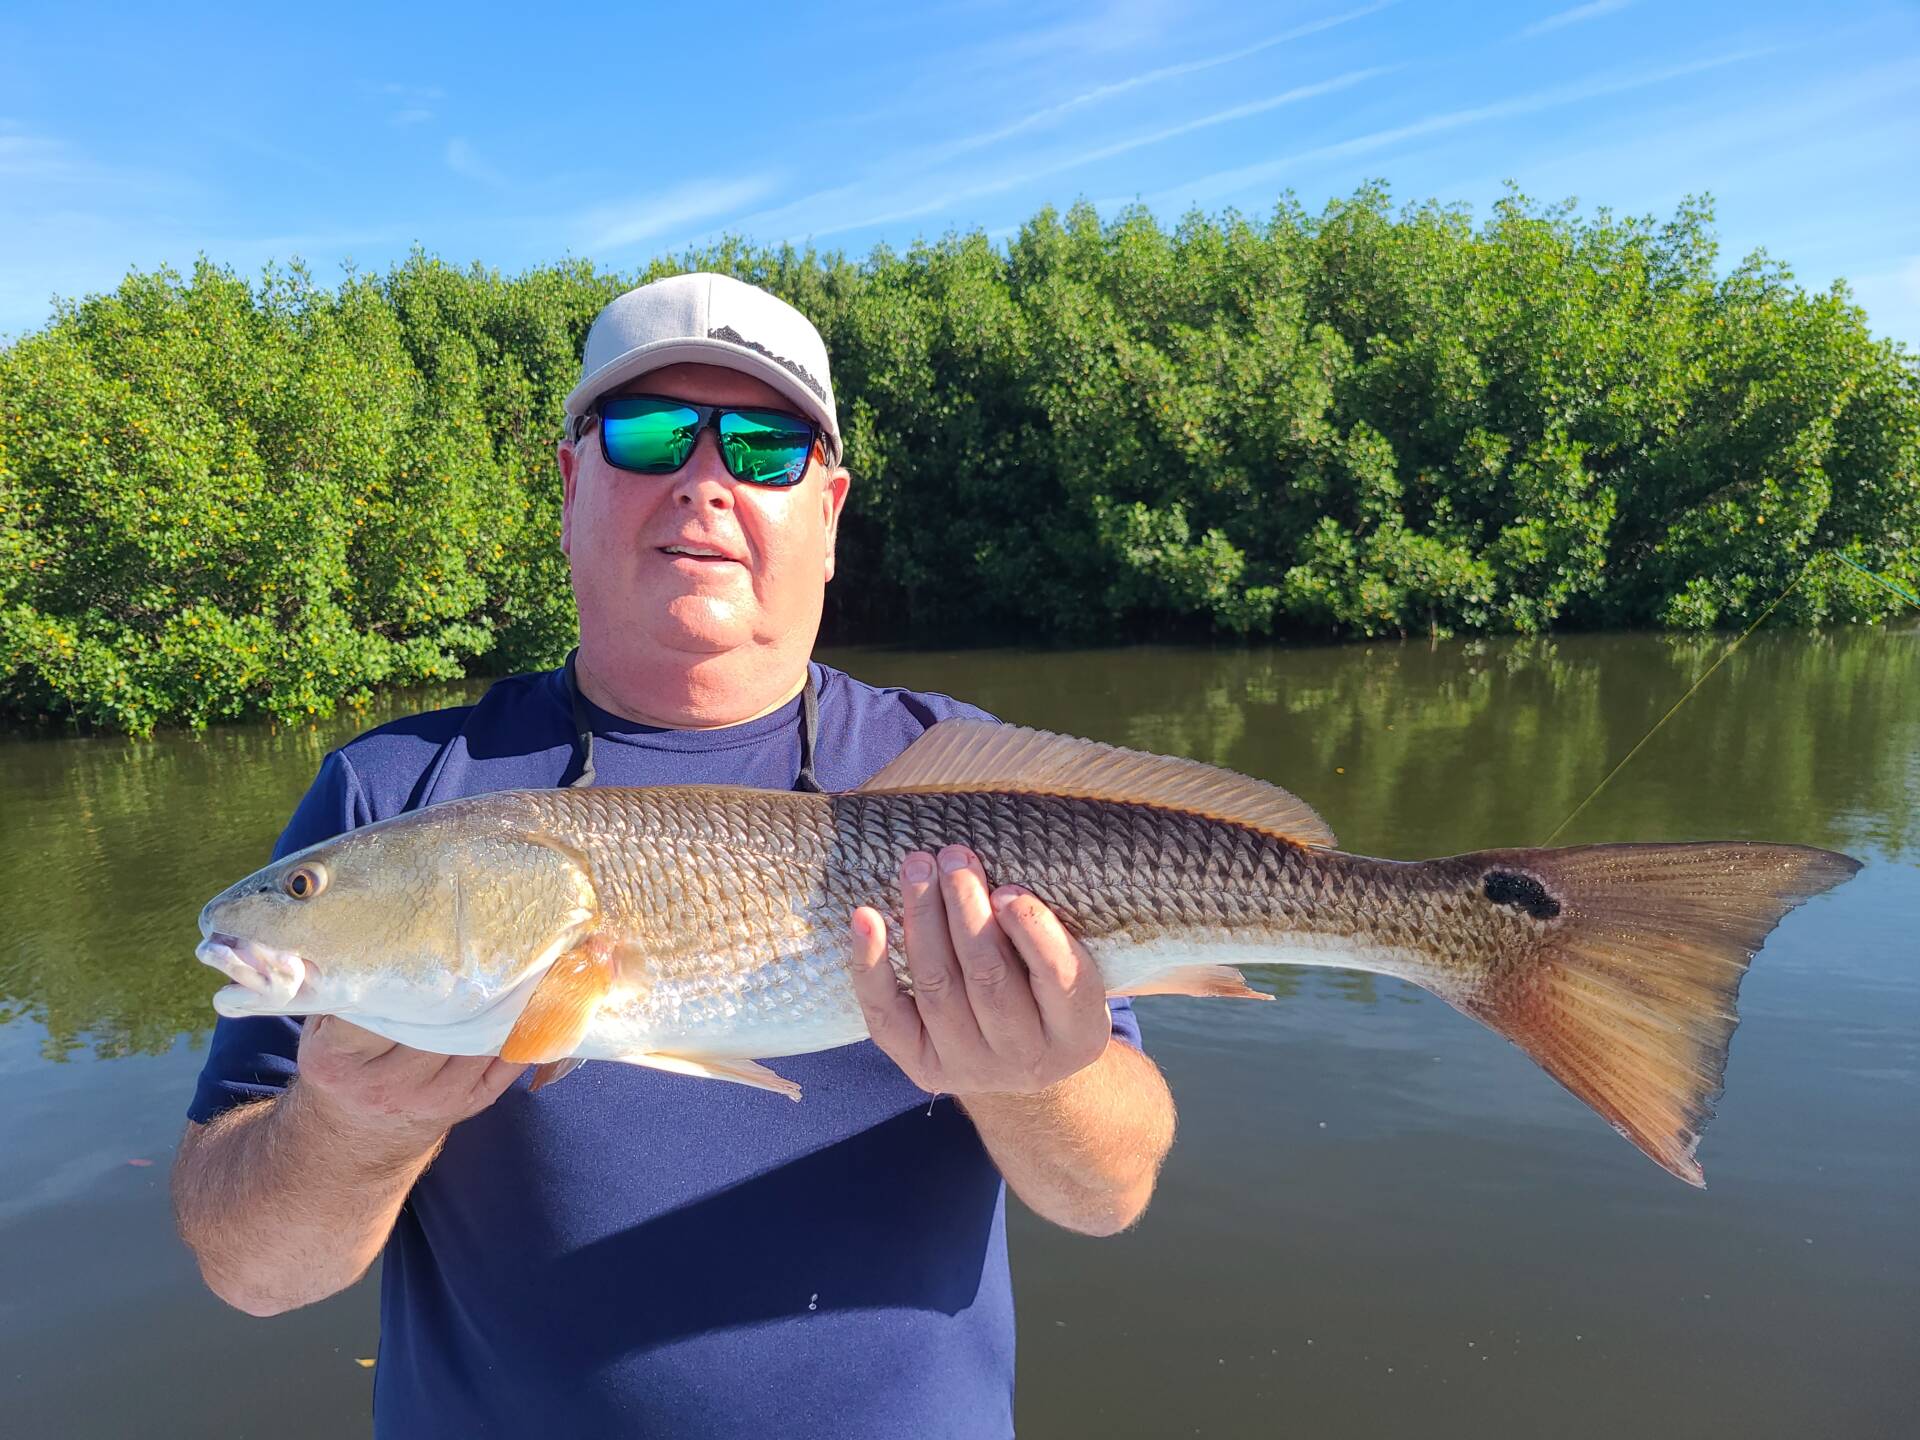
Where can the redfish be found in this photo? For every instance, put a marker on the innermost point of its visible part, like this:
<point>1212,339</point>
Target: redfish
<point>703,929</point>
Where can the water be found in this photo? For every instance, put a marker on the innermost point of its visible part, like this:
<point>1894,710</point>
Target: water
<point>1378,1217</point>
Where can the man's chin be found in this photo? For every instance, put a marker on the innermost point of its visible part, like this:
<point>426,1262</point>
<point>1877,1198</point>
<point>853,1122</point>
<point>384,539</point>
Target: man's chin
<point>699,624</point>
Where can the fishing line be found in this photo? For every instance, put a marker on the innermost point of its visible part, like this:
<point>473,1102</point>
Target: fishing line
<point>1715,666</point>
<point>1880,580</point>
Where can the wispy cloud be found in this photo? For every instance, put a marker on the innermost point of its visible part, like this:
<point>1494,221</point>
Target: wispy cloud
<point>1053,113</point>
<point>463,159</point>
<point>1107,152</point>
<point>1578,15</point>
<point>667,213</point>
<point>418,103</point>
<point>1120,25</point>
<point>256,144</point>
<point>1224,182</point>
<point>35,167</point>
<point>36,157</point>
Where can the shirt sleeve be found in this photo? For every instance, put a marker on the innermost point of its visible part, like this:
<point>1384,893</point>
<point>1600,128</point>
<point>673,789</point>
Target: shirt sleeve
<point>252,1058</point>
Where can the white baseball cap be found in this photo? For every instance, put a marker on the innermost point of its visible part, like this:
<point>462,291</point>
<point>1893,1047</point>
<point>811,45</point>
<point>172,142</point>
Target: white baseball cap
<point>708,320</point>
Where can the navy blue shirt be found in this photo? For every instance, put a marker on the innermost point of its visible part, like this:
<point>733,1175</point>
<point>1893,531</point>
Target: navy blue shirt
<point>635,1253</point>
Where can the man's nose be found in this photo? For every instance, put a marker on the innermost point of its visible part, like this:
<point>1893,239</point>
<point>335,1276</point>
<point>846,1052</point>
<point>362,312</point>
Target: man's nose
<point>704,480</point>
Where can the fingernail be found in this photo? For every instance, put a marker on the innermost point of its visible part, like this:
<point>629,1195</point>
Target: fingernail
<point>1006,895</point>
<point>919,869</point>
<point>953,859</point>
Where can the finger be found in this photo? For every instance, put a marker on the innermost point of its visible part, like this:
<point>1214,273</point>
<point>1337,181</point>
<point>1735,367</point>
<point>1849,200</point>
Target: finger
<point>404,1070</point>
<point>994,976</point>
<point>1066,983</point>
<point>937,989</point>
<point>457,1090</point>
<point>494,1082</point>
<point>892,1018</point>
<point>442,1091</point>
<point>345,1040</point>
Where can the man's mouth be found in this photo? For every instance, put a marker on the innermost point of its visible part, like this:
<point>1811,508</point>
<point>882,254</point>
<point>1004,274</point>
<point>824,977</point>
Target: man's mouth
<point>704,553</point>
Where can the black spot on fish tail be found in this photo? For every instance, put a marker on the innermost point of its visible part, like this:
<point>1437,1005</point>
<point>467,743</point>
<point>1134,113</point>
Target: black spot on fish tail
<point>1521,892</point>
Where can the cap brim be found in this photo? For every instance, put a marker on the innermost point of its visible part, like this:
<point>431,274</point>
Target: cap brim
<point>724,353</point>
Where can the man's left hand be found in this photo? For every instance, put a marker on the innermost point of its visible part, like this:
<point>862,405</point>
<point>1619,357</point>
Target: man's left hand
<point>1004,1000</point>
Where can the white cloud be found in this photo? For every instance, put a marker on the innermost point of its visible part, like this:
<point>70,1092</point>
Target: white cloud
<point>37,157</point>
<point>667,213</point>
<point>463,159</point>
<point>1226,182</point>
<point>418,103</point>
<point>1119,25</point>
<point>1107,152</point>
<point>1166,72</point>
<point>1577,15</point>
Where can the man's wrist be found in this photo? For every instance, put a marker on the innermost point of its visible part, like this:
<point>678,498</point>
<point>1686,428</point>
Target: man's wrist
<point>374,1146</point>
<point>1047,1097</point>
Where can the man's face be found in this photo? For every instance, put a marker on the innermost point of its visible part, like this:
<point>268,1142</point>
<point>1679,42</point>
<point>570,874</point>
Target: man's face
<point>770,550</point>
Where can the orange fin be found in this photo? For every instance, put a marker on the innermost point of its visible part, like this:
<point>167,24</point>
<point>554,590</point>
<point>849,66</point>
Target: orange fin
<point>1625,994</point>
<point>741,1072</point>
<point>553,1071</point>
<point>562,1005</point>
<point>962,755</point>
<point>1216,980</point>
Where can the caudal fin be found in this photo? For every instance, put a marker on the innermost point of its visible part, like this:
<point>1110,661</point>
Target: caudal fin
<point>1627,995</point>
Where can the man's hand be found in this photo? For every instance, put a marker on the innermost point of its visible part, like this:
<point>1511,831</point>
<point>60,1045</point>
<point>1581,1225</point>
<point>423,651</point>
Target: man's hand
<point>287,1201</point>
<point>1004,1001</point>
<point>365,1084</point>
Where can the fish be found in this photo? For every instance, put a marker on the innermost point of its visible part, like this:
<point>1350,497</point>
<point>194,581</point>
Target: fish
<point>704,929</point>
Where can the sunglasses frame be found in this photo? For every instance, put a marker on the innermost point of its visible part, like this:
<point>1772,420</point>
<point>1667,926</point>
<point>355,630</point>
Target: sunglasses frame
<point>709,419</point>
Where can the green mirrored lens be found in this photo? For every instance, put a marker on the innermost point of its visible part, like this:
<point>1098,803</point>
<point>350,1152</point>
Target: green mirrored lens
<point>654,436</point>
<point>765,447</point>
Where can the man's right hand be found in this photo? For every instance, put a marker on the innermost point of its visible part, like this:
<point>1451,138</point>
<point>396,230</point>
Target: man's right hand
<point>367,1085</point>
<point>288,1201</point>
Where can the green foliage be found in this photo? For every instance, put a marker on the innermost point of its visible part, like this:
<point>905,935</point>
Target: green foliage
<point>220,498</point>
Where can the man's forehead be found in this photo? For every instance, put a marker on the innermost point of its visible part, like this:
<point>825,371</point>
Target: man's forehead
<point>707,385</point>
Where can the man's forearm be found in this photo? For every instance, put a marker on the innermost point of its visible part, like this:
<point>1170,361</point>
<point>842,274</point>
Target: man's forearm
<point>1083,1153</point>
<point>282,1206</point>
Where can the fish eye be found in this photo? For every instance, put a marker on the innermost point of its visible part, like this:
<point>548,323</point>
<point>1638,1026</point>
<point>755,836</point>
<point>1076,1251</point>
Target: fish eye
<point>305,882</point>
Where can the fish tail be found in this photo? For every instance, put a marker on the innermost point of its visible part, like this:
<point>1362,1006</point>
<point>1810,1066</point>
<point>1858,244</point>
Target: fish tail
<point>1625,991</point>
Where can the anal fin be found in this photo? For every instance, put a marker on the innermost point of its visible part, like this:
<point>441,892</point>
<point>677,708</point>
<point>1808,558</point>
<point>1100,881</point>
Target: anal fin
<point>741,1072</point>
<point>562,1005</point>
<point>1221,981</point>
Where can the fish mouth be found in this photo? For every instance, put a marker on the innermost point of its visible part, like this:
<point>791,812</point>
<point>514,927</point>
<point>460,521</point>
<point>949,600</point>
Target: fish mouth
<point>265,980</point>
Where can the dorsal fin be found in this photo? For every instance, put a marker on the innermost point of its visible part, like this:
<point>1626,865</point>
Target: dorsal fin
<point>981,755</point>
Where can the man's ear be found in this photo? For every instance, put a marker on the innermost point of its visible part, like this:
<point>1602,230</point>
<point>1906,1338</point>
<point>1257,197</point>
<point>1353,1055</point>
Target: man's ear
<point>833,499</point>
<point>569,459</point>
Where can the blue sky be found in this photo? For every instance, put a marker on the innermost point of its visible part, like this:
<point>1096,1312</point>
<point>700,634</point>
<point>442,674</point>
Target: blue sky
<point>355,132</point>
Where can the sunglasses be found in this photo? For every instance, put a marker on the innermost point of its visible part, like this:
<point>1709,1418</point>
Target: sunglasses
<point>655,435</point>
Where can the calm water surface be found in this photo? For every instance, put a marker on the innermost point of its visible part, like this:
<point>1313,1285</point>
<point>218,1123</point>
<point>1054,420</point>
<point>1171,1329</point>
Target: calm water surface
<point>1379,1218</point>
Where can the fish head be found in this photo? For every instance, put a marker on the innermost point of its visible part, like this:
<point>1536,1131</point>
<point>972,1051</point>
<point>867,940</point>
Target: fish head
<point>431,917</point>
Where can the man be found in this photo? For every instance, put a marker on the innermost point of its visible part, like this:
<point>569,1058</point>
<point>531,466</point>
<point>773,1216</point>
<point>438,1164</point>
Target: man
<point>628,1252</point>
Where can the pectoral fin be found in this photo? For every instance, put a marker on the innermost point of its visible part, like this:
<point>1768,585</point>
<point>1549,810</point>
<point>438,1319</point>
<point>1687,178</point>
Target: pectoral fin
<point>562,1005</point>
<point>741,1072</point>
